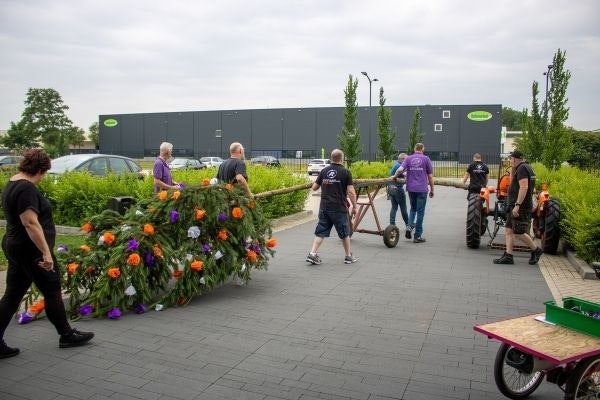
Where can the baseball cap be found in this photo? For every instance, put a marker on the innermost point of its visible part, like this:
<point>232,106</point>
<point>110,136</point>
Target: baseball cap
<point>516,154</point>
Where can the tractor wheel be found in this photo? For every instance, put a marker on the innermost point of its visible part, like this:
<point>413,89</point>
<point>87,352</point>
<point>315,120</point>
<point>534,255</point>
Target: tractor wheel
<point>474,222</point>
<point>551,233</point>
<point>391,235</point>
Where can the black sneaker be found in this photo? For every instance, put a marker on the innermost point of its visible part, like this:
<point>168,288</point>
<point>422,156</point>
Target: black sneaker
<point>6,352</point>
<point>408,233</point>
<point>74,339</point>
<point>505,259</point>
<point>314,260</point>
<point>535,256</point>
<point>419,239</point>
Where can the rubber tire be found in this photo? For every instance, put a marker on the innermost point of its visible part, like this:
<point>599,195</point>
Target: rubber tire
<point>391,235</point>
<point>474,222</point>
<point>551,235</point>
<point>581,371</point>
<point>499,366</point>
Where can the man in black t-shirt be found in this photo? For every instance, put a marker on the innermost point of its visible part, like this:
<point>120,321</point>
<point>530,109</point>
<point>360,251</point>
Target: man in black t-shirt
<point>336,186</point>
<point>477,173</point>
<point>518,210</point>
<point>233,170</point>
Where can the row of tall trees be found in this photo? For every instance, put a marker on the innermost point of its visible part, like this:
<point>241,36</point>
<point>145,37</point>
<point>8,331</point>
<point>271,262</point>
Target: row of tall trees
<point>349,136</point>
<point>44,123</point>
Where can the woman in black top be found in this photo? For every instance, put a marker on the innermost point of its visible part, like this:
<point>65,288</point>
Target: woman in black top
<point>27,244</point>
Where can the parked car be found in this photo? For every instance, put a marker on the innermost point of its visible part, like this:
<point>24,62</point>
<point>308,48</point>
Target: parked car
<point>96,164</point>
<point>268,161</point>
<point>10,161</point>
<point>315,166</point>
<point>186,163</point>
<point>212,162</point>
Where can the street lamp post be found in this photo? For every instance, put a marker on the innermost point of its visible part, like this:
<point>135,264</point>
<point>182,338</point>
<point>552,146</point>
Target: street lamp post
<point>370,85</point>
<point>547,73</point>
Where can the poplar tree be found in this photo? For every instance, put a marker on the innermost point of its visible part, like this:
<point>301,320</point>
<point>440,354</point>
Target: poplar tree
<point>387,135</point>
<point>349,137</point>
<point>415,135</point>
<point>531,143</point>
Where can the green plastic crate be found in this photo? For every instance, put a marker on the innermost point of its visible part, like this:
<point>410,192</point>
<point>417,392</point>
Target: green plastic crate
<point>564,316</point>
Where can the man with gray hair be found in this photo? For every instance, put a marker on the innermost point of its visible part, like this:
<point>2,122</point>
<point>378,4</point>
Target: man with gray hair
<point>336,186</point>
<point>163,179</point>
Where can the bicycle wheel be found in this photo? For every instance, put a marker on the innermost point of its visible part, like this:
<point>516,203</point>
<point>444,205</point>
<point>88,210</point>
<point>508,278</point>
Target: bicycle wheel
<point>511,382</point>
<point>584,382</point>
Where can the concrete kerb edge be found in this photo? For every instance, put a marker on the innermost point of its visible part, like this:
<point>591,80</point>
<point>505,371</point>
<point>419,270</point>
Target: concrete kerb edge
<point>583,268</point>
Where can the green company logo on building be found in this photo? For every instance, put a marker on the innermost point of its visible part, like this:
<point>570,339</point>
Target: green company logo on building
<point>479,116</point>
<point>110,122</point>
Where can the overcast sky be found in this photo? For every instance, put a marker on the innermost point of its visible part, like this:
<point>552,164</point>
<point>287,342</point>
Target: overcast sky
<point>125,56</point>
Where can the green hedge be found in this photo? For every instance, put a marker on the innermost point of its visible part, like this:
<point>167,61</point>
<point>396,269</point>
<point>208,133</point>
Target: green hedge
<point>77,196</point>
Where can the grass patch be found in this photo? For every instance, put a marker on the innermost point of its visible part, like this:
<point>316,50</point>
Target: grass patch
<point>69,240</point>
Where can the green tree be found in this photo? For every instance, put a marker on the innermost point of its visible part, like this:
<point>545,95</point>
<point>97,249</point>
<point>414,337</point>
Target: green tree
<point>512,119</point>
<point>44,117</point>
<point>586,149</point>
<point>349,137</point>
<point>531,143</point>
<point>415,135</point>
<point>387,135</point>
<point>18,138</point>
<point>558,143</point>
<point>95,134</point>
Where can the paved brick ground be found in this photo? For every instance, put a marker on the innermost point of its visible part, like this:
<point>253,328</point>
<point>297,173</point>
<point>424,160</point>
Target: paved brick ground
<point>395,325</point>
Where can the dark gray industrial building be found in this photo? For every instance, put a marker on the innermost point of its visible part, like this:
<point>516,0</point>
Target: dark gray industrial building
<point>451,132</point>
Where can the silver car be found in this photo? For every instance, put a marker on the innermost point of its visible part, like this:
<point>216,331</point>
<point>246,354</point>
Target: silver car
<point>96,164</point>
<point>315,166</point>
<point>212,162</point>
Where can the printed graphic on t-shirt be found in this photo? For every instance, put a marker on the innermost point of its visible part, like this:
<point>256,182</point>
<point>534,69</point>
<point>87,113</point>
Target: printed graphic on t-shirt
<point>416,164</point>
<point>331,177</point>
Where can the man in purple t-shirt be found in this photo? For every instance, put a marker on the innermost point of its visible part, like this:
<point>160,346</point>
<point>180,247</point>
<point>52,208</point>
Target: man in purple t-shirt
<point>161,171</point>
<point>419,175</point>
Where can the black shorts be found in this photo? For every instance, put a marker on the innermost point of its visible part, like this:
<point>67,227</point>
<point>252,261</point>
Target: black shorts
<point>520,224</point>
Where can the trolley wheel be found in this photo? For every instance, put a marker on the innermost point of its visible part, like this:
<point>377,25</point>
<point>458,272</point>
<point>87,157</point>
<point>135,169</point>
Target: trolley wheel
<point>551,233</point>
<point>510,381</point>
<point>391,235</point>
<point>584,382</point>
<point>475,224</point>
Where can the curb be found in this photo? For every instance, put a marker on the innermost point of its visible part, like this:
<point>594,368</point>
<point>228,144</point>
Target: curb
<point>584,269</point>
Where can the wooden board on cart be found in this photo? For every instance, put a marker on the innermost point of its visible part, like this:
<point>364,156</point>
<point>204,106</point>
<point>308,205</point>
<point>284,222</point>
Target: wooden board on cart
<point>550,342</point>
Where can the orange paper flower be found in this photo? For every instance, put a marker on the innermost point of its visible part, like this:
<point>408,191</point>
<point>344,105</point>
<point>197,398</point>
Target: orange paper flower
<point>71,268</point>
<point>114,273</point>
<point>222,235</point>
<point>229,186</point>
<point>162,195</point>
<point>237,213</point>
<point>134,259</point>
<point>148,229</point>
<point>85,248</point>
<point>176,195</point>
<point>197,265</point>
<point>181,301</point>
<point>251,256</point>
<point>157,250</point>
<point>37,307</point>
<point>200,213</point>
<point>271,243</point>
<point>109,238</point>
<point>177,274</point>
<point>89,270</point>
<point>87,227</point>
<point>205,182</point>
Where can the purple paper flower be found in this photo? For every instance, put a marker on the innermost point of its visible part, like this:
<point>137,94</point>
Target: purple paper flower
<point>182,185</point>
<point>62,248</point>
<point>222,217</point>
<point>25,318</point>
<point>173,216</point>
<point>85,309</point>
<point>140,308</point>
<point>132,245</point>
<point>255,248</point>
<point>206,248</point>
<point>149,260</point>
<point>115,313</point>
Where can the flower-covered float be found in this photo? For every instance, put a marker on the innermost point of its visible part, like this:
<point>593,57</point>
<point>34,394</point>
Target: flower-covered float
<point>166,250</point>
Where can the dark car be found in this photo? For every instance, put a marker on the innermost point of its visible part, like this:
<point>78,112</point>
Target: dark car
<point>96,164</point>
<point>186,163</point>
<point>268,161</point>
<point>10,161</point>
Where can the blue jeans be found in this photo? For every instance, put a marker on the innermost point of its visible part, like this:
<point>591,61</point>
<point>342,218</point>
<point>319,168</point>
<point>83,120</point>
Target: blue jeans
<point>398,198</point>
<point>418,200</point>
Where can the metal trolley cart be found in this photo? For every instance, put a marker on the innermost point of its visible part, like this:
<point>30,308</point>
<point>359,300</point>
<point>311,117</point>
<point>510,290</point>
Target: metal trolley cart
<point>532,349</point>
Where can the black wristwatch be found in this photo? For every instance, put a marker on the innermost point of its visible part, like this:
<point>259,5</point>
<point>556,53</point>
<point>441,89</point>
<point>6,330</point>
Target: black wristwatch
<point>518,204</point>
